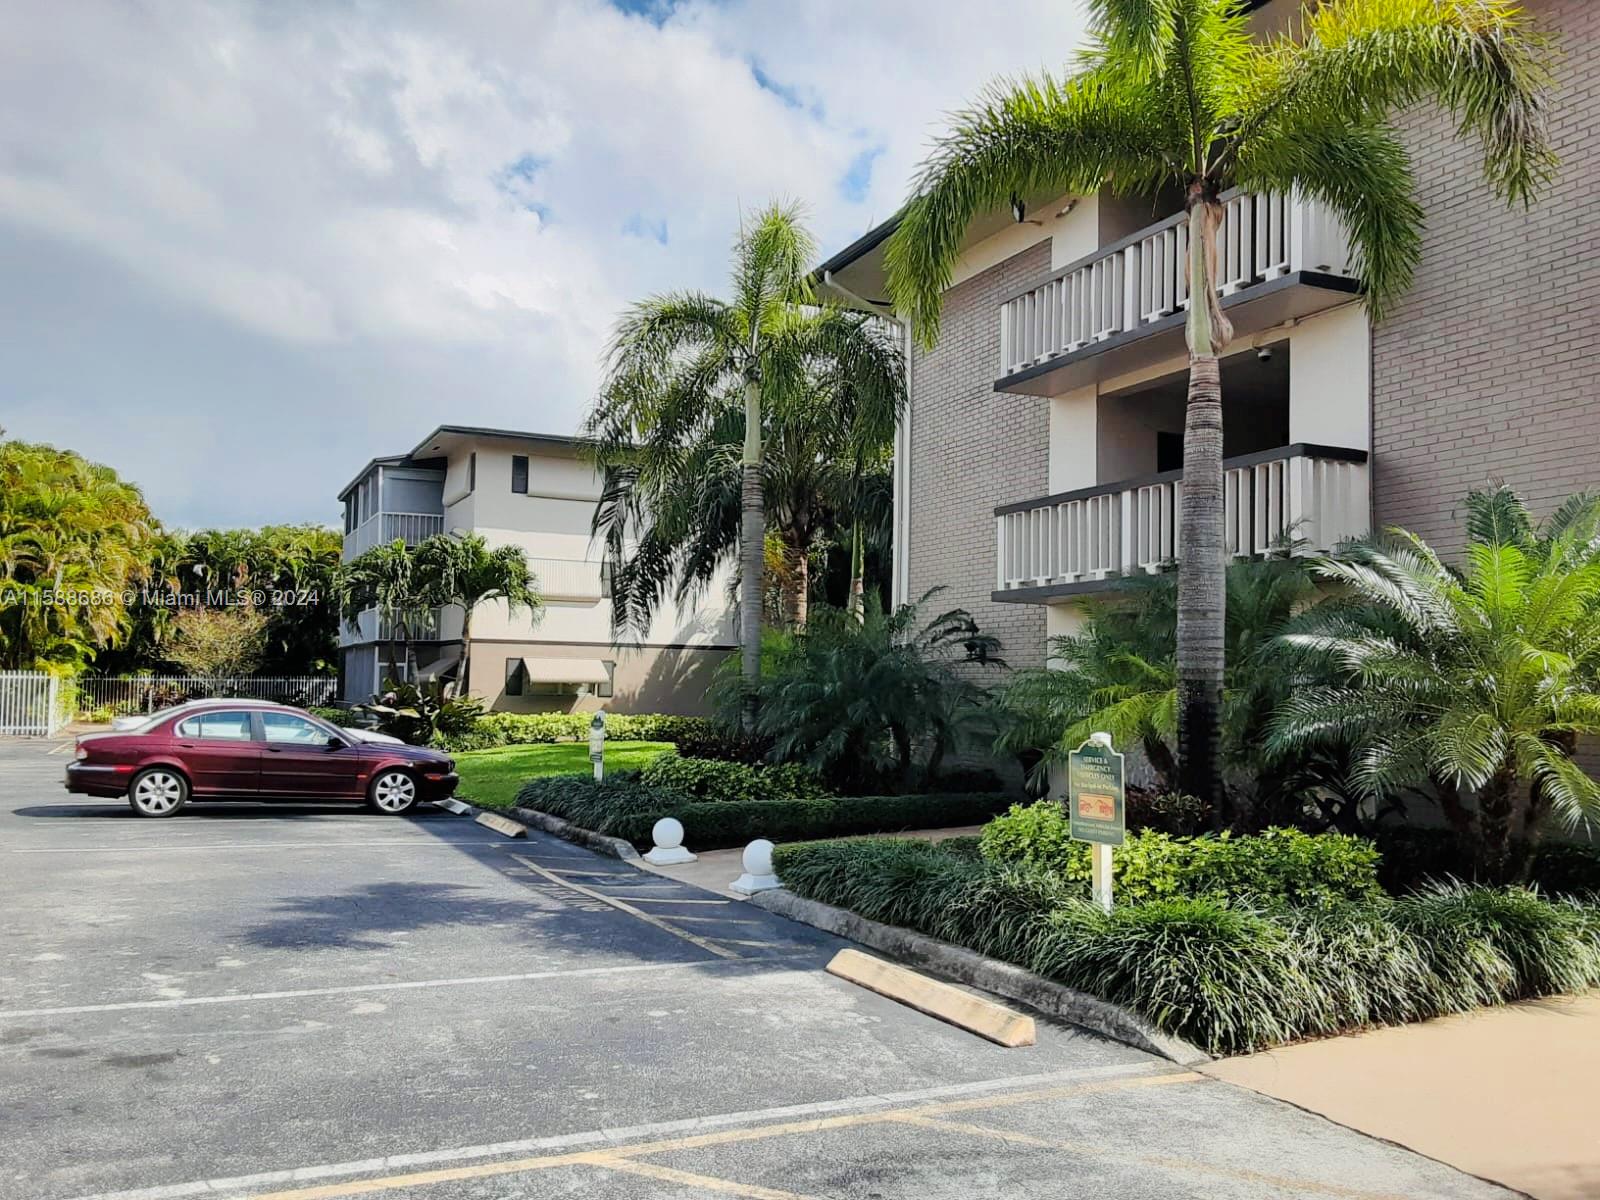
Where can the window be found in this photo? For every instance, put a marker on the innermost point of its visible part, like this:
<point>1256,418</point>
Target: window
<point>287,728</point>
<point>516,677</point>
<point>519,474</point>
<point>472,471</point>
<point>605,579</point>
<point>217,726</point>
<point>604,690</point>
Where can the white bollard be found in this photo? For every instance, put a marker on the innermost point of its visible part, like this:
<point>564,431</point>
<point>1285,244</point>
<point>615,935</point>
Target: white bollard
<point>758,876</point>
<point>667,834</point>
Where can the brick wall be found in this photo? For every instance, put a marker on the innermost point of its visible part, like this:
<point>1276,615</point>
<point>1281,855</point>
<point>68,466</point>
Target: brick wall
<point>973,448</point>
<point>1489,365</point>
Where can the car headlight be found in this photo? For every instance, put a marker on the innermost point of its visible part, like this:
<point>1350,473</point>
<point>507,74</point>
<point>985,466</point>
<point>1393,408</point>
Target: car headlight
<point>83,753</point>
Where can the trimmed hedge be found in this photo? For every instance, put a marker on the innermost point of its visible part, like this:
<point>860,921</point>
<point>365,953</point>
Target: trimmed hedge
<point>1226,976</point>
<point>517,729</point>
<point>1414,857</point>
<point>715,825</point>
<point>712,779</point>
<point>625,806</point>
<point>1277,865</point>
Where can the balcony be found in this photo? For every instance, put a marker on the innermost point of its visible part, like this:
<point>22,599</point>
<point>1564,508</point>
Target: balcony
<point>1280,257</point>
<point>379,528</point>
<point>370,626</point>
<point>569,579</point>
<point>1085,540</point>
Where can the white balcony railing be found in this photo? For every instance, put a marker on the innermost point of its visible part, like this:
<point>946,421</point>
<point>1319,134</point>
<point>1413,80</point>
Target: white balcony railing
<point>410,528</point>
<point>1144,278</point>
<point>568,578</point>
<point>370,626</point>
<point>1314,496</point>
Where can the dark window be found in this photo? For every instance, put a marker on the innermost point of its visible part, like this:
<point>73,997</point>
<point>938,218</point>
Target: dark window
<point>516,677</point>
<point>604,690</point>
<point>472,471</point>
<point>1169,451</point>
<point>519,473</point>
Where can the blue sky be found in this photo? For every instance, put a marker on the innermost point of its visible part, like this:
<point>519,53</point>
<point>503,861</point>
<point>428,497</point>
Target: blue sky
<point>247,248</point>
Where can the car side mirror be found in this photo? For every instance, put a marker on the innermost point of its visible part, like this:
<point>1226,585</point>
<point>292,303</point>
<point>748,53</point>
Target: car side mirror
<point>335,742</point>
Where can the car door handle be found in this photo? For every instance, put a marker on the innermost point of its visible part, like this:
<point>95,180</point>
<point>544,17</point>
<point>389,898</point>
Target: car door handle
<point>275,749</point>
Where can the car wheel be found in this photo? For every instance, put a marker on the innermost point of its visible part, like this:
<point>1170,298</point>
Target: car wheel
<point>393,791</point>
<point>158,792</point>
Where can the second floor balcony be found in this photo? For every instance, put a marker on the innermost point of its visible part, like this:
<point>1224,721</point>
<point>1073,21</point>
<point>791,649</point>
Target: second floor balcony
<point>1082,541</point>
<point>1280,257</point>
<point>423,625</point>
<point>382,527</point>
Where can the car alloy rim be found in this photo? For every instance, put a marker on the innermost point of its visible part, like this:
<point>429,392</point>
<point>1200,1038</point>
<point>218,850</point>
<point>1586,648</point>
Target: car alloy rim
<point>394,791</point>
<point>157,792</point>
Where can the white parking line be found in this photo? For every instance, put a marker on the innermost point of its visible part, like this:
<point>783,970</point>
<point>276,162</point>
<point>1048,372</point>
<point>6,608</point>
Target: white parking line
<point>16,1014</point>
<point>601,1137</point>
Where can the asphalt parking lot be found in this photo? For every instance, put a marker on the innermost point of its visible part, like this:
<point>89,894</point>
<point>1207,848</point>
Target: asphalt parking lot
<point>316,1002</point>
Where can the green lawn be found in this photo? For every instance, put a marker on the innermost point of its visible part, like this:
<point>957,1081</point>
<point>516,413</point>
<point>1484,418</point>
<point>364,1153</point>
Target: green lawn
<point>491,778</point>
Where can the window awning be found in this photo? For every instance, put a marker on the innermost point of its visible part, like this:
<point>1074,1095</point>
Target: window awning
<point>566,670</point>
<point>448,658</point>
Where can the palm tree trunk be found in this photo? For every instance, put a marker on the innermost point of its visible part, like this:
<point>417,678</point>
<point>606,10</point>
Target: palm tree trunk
<point>1202,590</point>
<point>1496,804</point>
<point>858,572</point>
<point>466,653</point>
<point>798,600</point>
<point>752,529</point>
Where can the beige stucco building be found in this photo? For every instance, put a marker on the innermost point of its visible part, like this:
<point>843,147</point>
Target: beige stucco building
<point>533,491</point>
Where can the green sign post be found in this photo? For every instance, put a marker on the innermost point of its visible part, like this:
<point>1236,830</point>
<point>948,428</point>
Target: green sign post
<point>1097,806</point>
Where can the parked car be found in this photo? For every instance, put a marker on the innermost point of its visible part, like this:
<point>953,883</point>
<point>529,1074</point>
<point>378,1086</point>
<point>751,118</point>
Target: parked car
<point>132,721</point>
<point>253,750</point>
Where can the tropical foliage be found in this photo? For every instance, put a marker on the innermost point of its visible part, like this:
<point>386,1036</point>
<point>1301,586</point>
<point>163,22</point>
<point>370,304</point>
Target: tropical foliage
<point>1478,681</point>
<point>385,580</point>
<point>885,696</point>
<point>74,538</point>
<point>1175,98</point>
<point>218,643</point>
<point>462,570</point>
<point>721,418</point>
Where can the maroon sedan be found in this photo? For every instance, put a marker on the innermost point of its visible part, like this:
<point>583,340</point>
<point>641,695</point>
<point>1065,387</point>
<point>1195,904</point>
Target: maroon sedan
<point>243,750</point>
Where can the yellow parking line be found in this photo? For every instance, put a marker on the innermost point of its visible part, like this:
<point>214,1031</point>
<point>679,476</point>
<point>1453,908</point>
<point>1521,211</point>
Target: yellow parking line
<point>705,1183</point>
<point>1188,1166</point>
<point>614,1156</point>
<point>624,906</point>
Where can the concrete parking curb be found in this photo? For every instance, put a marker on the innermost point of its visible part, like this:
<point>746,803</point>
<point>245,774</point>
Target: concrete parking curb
<point>988,974</point>
<point>598,842</point>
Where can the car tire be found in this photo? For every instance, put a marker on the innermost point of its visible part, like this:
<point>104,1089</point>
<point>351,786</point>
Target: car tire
<point>393,791</point>
<point>158,792</point>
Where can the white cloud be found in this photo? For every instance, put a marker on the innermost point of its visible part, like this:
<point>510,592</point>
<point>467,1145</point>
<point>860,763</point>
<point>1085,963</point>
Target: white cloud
<point>250,246</point>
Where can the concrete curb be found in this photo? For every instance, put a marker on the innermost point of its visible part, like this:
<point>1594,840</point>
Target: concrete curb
<point>989,974</point>
<point>588,838</point>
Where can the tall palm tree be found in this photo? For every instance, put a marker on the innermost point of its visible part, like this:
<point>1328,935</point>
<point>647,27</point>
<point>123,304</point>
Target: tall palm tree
<point>1174,93</point>
<point>384,578</point>
<point>689,377</point>
<point>461,569</point>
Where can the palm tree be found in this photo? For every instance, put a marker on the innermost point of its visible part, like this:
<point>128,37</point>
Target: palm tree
<point>1174,93</point>
<point>689,378</point>
<point>384,578</point>
<point>1478,683</point>
<point>461,569</point>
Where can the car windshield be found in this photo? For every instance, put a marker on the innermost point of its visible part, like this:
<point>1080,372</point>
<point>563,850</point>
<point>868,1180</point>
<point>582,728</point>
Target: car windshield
<point>161,714</point>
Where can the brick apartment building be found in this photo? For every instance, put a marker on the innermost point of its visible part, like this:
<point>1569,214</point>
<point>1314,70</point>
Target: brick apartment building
<point>1041,452</point>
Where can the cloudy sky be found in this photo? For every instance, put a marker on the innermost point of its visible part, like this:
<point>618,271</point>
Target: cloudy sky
<point>245,247</point>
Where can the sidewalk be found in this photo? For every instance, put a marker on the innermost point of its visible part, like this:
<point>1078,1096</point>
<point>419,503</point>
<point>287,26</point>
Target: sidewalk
<point>716,869</point>
<point>1510,1094</point>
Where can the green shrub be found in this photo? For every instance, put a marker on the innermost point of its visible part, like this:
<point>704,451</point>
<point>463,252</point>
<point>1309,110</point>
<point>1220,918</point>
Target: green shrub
<point>714,824</point>
<point>517,729</point>
<point>1414,858</point>
<point>1277,865</point>
<point>1226,976</point>
<point>598,806</point>
<point>1169,812</point>
<point>714,779</point>
<point>1566,869</point>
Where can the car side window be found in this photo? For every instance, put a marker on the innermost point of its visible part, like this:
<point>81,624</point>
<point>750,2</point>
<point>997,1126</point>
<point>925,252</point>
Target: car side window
<point>217,726</point>
<point>288,728</point>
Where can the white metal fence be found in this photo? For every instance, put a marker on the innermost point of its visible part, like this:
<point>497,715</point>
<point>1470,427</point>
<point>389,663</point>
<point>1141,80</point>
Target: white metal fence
<point>32,703</point>
<point>146,693</point>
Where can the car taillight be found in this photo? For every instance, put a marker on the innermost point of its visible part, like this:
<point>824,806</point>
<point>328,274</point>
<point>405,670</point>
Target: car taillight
<point>83,753</point>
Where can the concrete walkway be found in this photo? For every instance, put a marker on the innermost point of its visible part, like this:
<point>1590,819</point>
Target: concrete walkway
<point>1508,1094</point>
<point>715,870</point>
